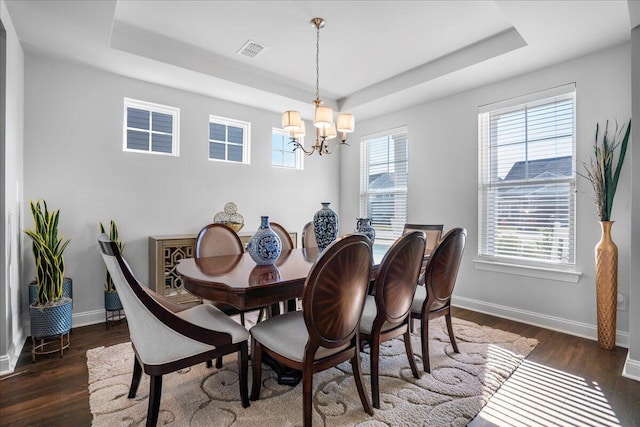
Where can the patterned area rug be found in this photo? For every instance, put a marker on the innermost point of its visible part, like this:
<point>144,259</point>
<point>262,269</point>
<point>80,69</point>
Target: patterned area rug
<point>457,388</point>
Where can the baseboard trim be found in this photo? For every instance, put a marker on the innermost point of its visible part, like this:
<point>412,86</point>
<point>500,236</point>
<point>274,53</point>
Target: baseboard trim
<point>631,369</point>
<point>8,361</point>
<point>559,324</point>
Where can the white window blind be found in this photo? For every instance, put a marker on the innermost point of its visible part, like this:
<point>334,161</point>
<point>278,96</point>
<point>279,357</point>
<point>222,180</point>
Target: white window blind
<point>151,128</point>
<point>527,178</point>
<point>383,183</point>
<point>228,139</point>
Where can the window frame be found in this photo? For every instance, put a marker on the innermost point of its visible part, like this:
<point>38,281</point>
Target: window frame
<point>151,107</point>
<point>297,153</point>
<point>396,226</point>
<point>246,138</point>
<point>528,265</point>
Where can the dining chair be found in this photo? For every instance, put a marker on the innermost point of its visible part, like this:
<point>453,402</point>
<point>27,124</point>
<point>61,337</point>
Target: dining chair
<point>325,333</point>
<point>386,313</point>
<point>309,236</point>
<point>433,299</point>
<point>195,334</point>
<point>432,231</point>
<point>283,234</point>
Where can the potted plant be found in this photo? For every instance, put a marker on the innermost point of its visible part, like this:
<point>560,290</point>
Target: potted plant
<point>111,299</point>
<point>51,312</point>
<point>603,172</point>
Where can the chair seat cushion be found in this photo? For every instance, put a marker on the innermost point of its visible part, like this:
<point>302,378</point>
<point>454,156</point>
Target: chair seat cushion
<point>210,317</point>
<point>419,298</point>
<point>287,335</point>
<point>369,315</point>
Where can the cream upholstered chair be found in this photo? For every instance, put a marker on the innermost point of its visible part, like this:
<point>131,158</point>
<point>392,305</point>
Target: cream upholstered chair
<point>283,234</point>
<point>166,337</point>
<point>325,332</point>
<point>434,298</point>
<point>309,236</point>
<point>432,231</point>
<point>386,313</point>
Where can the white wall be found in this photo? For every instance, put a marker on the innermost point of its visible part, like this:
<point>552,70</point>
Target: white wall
<point>73,158</point>
<point>12,335</point>
<point>443,179</point>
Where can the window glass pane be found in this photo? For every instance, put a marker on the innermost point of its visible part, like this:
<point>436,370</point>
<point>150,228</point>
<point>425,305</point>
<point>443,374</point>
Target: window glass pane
<point>217,151</point>
<point>137,118</point>
<point>235,134</point>
<point>234,153</point>
<point>289,160</point>
<point>162,122</point>
<point>277,142</point>
<point>161,143</point>
<point>137,140</point>
<point>217,132</point>
<point>277,158</point>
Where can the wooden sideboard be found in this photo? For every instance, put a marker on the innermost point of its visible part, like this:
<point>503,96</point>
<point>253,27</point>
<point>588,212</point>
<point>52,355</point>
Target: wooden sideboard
<point>164,254</point>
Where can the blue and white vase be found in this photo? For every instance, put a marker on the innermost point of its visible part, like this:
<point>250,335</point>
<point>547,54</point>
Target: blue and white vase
<point>364,227</point>
<point>264,246</point>
<point>325,226</point>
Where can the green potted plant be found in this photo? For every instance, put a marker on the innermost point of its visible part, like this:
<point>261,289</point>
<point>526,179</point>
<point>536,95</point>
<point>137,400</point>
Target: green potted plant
<point>111,299</point>
<point>51,312</point>
<point>603,172</point>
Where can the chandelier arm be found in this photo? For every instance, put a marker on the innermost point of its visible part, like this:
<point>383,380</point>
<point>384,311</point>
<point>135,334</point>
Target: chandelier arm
<point>297,146</point>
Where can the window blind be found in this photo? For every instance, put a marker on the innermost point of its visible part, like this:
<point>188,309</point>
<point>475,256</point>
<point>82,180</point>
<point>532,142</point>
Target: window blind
<point>527,180</point>
<point>383,183</point>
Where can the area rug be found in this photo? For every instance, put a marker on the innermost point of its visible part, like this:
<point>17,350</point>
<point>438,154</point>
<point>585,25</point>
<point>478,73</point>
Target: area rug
<point>457,388</point>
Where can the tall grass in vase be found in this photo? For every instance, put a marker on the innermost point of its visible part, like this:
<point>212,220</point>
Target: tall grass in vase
<point>603,171</point>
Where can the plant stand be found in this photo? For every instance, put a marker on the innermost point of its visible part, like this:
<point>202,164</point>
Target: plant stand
<point>49,345</point>
<point>113,317</point>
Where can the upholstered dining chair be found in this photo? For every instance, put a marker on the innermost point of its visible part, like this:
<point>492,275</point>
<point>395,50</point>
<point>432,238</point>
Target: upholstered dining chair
<point>386,314</point>
<point>433,299</point>
<point>309,236</point>
<point>432,231</point>
<point>283,234</point>
<point>325,332</point>
<point>166,337</point>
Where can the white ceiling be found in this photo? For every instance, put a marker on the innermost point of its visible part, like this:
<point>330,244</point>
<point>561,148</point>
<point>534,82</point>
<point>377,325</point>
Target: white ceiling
<point>375,56</point>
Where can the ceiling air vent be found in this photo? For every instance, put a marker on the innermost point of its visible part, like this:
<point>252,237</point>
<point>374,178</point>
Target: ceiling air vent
<point>250,49</point>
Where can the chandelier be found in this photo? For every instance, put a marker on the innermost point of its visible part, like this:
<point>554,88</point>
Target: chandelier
<point>325,128</point>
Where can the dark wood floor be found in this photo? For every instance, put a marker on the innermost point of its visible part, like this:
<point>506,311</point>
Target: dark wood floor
<point>54,391</point>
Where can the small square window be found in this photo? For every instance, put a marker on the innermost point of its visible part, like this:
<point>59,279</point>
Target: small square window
<point>150,128</point>
<point>282,154</point>
<point>228,140</point>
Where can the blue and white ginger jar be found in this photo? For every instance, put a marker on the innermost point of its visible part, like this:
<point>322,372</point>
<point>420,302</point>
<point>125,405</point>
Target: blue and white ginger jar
<point>325,226</point>
<point>264,246</point>
<point>364,227</point>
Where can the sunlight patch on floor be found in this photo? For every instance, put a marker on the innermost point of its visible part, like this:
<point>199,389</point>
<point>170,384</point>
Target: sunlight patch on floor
<point>536,395</point>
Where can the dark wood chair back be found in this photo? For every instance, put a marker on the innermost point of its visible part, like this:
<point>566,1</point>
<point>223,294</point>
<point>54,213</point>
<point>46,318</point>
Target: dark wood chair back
<point>334,292</point>
<point>217,239</point>
<point>309,236</point>
<point>283,234</point>
<point>444,263</point>
<point>432,231</point>
<point>397,277</point>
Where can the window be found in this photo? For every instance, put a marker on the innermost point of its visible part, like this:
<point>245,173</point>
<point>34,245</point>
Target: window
<point>527,178</point>
<point>228,140</point>
<point>150,128</point>
<point>383,184</point>
<point>282,154</point>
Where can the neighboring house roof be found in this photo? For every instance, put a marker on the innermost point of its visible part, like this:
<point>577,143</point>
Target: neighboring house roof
<point>542,168</point>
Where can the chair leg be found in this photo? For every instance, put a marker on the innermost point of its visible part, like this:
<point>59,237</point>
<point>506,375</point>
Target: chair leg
<point>307,393</point>
<point>135,379</point>
<point>155,391</point>
<point>243,366</point>
<point>256,363</point>
<point>357,375</point>
<point>219,362</point>
<point>424,339</point>
<point>242,318</point>
<point>375,365</point>
<point>452,337</point>
<point>409,349</point>
<point>209,364</point>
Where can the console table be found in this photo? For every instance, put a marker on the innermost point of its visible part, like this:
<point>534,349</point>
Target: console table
<point>164,254</point>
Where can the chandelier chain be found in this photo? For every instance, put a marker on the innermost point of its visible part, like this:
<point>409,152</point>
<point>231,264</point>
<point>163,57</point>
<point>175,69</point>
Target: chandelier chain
<point>317,62</point>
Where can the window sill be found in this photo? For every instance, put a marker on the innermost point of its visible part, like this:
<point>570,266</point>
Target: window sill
<point>569,276</point>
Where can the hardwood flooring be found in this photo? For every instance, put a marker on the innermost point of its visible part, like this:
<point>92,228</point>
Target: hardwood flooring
<point>566,380</point>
